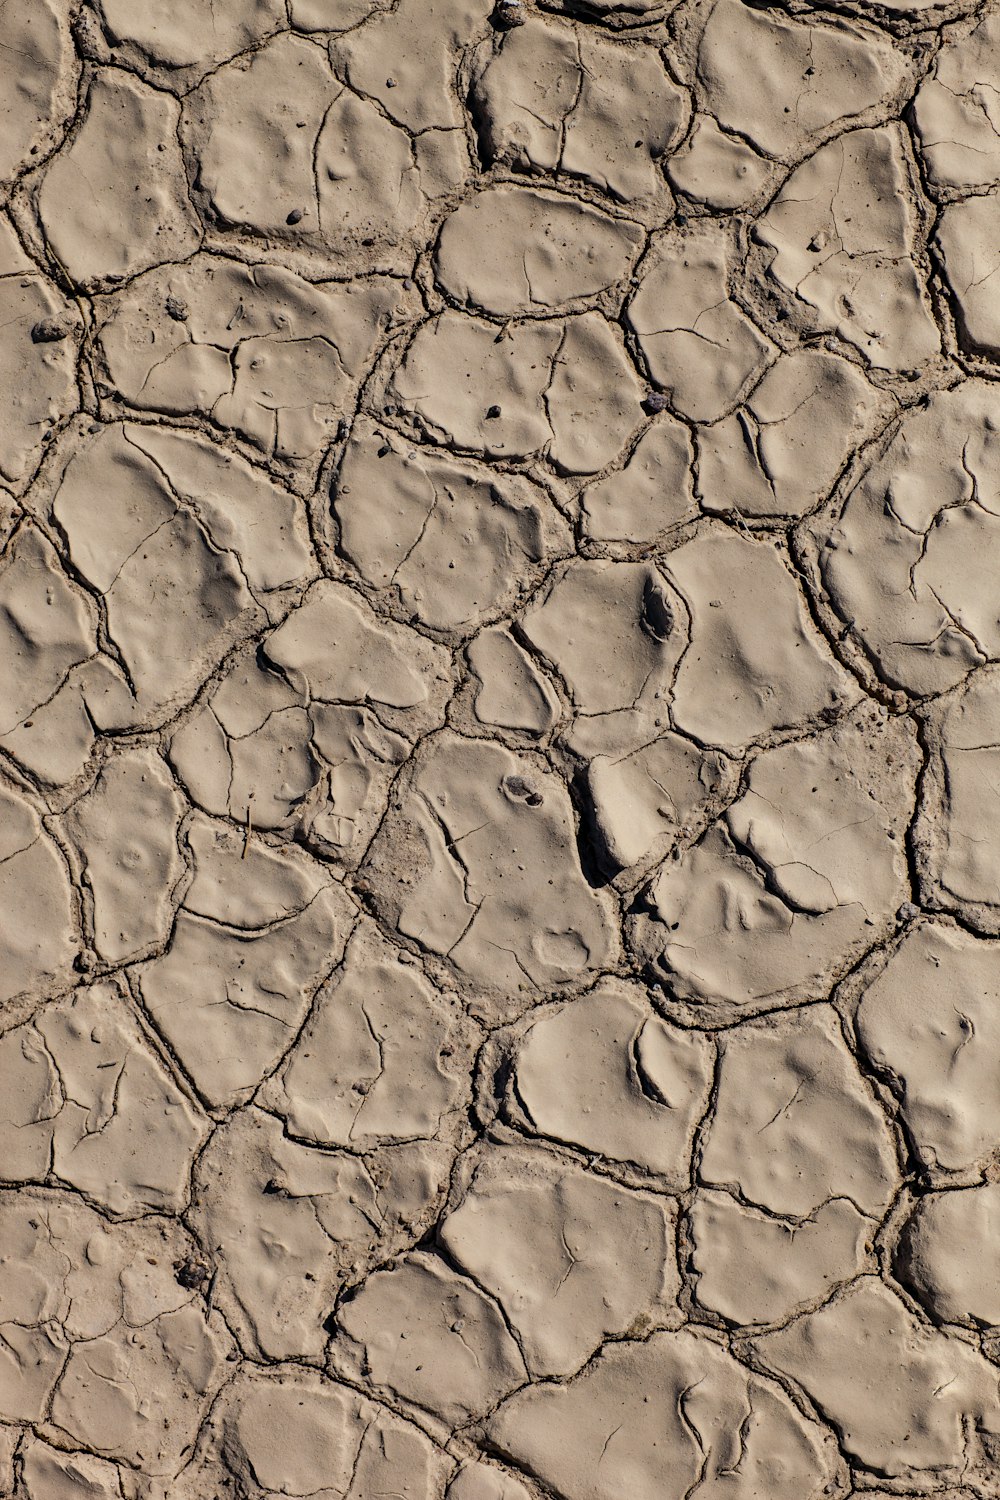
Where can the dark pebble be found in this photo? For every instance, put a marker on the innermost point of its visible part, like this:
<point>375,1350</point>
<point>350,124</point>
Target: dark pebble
<point>48,331</point>
<point>509,13</point>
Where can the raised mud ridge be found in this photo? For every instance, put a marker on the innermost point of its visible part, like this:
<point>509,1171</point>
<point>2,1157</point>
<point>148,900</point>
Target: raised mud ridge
<point>499,750</point>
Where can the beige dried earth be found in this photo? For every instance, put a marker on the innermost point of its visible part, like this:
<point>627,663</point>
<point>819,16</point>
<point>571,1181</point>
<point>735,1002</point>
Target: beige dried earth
<point>499,749</point>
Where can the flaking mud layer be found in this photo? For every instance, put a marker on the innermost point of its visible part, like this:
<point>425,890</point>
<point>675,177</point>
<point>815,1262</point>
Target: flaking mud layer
<point>499,747</point>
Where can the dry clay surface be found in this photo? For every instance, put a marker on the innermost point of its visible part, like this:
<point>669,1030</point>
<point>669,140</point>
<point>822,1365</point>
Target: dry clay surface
<point>499,750</point>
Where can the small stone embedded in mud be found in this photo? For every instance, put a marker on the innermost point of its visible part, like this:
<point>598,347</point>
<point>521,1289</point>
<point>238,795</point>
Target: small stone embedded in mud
<point>49,331</point>
<point>522,790</point>
<point>509,13</point>
<point>193,1275</point>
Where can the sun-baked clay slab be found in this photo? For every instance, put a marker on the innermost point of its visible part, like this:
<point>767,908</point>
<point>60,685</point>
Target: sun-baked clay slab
<point>842,235</point>
<point>116,201</point>
<point>785,85</point>
<point>794,883</point>
<point>664,1400</point>
<point>863,1395</point>
<point>549,101</point>
<point>955,109</point>
<point>906,557</point>
<point>255,349</point>
<point>954,840</point>
<point>37,83</point>
<point>466,853</point>
<point>937,1058</point>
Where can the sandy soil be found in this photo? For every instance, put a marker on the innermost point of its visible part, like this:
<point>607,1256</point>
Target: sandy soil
<point>499,748</point>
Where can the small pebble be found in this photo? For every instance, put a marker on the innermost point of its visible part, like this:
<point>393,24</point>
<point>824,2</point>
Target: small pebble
<point>509,13</point>
<point>48,331</point>
<point>654,402</point>
<point>177,309</point>
<point>296,216</point>
<point>492,413</point>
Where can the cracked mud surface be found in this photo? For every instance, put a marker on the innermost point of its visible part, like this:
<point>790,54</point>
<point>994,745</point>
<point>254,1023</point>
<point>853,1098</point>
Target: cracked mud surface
<point>499,747</point>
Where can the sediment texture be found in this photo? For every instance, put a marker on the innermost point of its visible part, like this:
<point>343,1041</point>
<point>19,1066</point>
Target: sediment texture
<point>499,748</point>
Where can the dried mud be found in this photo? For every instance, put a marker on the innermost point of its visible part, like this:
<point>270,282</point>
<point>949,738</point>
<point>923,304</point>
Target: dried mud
<point>499,737</point>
